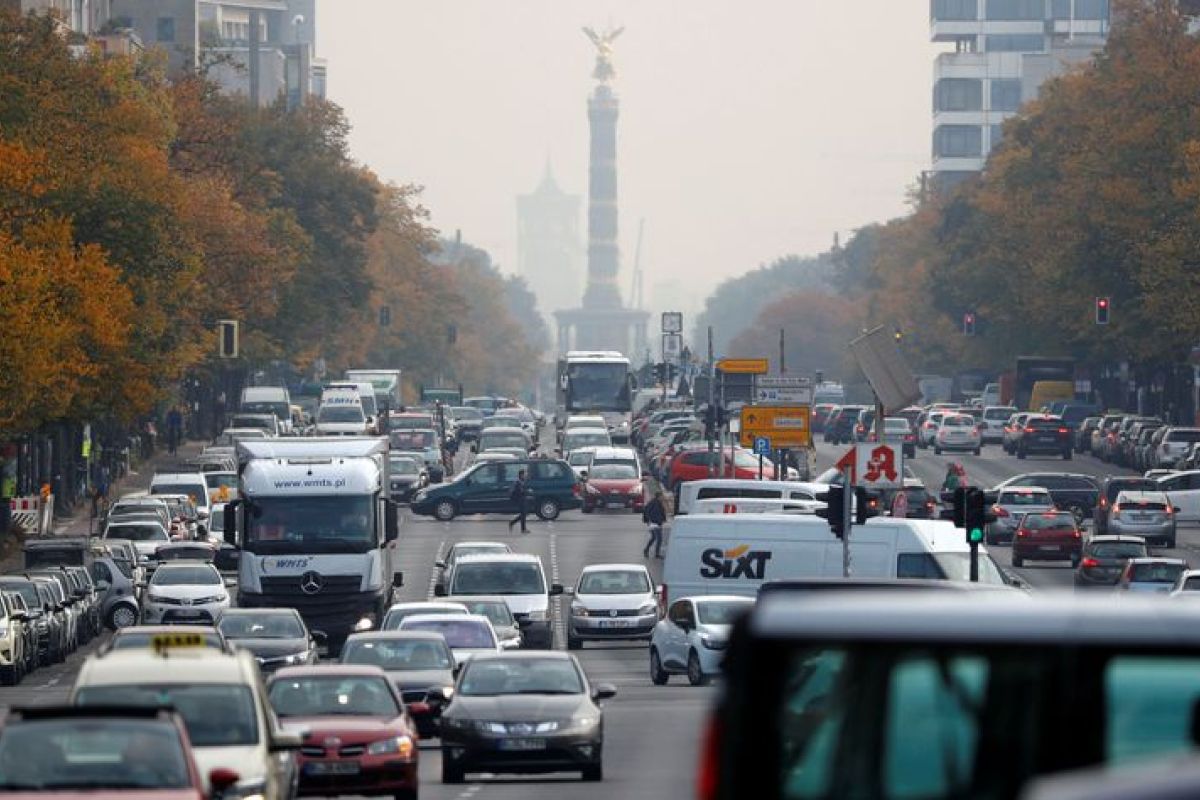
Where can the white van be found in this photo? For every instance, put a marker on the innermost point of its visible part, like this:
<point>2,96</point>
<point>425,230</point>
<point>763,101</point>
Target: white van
<point>268,400</point>
<point>366,396</point>
<point>728,488</point>
<point>341,413</point>
<point>750,505</point>
<point>736,553</point>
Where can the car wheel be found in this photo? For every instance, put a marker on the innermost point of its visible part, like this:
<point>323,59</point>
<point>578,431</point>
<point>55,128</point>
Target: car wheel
<point>1021,453</point>
<point>8,676</point>
<point>547,509</point>
<point>587,509</point>
<point>1067,455</point>
<point>977,450</point>
<point>658,675</point>
<point>937,451</point>
<point>595,772</point>
<point>696,676</point>
<point>121,617</point>
<point>451,774</point>
<point>1017,561</point>
<point>408,794</point>
<point>445,510</point>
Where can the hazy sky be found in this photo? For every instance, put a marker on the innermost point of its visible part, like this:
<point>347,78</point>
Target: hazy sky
<point>749,128</point>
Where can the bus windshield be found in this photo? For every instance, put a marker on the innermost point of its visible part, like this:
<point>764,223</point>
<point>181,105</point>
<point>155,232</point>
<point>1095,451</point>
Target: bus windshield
<point>598,387</point>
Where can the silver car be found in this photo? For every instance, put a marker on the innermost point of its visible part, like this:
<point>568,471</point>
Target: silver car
<point>117,589</point>
<point>1151,575</point>
<point>612,601</point>
<point>1011,505</point>
<point>1146,514</point>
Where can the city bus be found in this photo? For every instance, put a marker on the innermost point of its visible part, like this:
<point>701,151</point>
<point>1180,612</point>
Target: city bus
<point>596,382</point>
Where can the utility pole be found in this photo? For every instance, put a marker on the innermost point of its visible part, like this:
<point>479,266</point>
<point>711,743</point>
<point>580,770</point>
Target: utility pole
<point>712,409</point>
<point>847,515</point>
<point>255,73</point>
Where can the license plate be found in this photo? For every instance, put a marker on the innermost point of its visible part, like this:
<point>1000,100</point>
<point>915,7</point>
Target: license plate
<point>331,768</point>
<point>614,623</point>
<point>616,504</point>
<point>1053,547</point>
<point>187,612</point>
<point>522,744</point>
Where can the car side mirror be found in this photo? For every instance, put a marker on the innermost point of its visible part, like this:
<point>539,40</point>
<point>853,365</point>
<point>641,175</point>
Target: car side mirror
<point>604,691</point>
<point>397,579</point>
<point>439,590</point>
<point>286,740</point>
<point>555,589</point>
<point>440,563</point>
<point>320,637</point>
<point>222,779</point>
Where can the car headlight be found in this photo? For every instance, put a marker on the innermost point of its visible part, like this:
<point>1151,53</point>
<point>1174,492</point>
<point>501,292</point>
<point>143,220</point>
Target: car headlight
<point>583,722</point>
<point>538,615</point>
<point>578,610</point>
<point>712,643</point>
<point>295,659</point>
<point>401,746</point>
<point>216,598</point>
<point>455,724</point>
<point>648,608</point>
<point>365,624</point>
<point>156,598</point>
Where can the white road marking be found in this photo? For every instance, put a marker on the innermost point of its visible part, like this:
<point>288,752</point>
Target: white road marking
<point>556,617</point>
<point>434,572</point>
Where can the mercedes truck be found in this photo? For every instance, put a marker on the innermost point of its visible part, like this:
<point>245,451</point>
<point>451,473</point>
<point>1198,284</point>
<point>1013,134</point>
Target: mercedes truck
<point>316,531</point>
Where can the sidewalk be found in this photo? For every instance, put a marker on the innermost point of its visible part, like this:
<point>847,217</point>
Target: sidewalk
<point>80,523</point>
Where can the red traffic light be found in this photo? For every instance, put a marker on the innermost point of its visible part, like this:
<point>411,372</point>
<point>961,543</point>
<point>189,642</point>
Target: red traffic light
<point>1102,302</point>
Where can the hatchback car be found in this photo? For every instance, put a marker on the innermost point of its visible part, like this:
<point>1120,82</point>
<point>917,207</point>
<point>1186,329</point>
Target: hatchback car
<point>1149,515</point>
<point>991,429</point>
<point>957,432</point>
<point>1103,559</point>
<point>613,486</point>
<point>276,637</point>
<point>399,611</point>
<point>523,713</point>
<point>1044,434</point>
<point>612,601</point>
<point>1047,536</point>
<point>1011,505</point>
<point>1188,585</point>
<point>692,637</point>
<point>185,592</point>
<point>1151,575</point>
<point>468,635</point>
<point>487,488</point>
<point>1072,492</point>
<point>460,549</point>
<point>496,609</point>
<point>407,475</point>
<point>1110,489</point>
<point>414,661</point>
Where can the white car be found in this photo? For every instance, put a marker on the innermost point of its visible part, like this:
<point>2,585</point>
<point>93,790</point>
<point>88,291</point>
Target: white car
<point>184,592</point>
<point>994,420</point>
<point>467,634</point>
<point>580,460</point>
<point>1188,585</point>
<point>612,601</point>
<point>576,438</point>
<point>957,432</point>
<point>927,432</point>
<point>147,535</point>
<point>692,637</point>
<point>398,612</point>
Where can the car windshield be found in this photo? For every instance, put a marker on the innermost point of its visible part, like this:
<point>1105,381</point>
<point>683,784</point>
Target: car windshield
<point>395,616</point>
<point>614,472</point>
<point>307,524</point>
<point>998,414</point>
<point>137,533</point>
<point>573,440</point>
<point>1024,499</point>
<point>1137,485</point>
<point>398,654</point>
<point>493,439</point>
<point>580,458</point>
<point>26,589</point>
<point>404,466</point>
<point>261,626</point>
<point>1041,522</point>
<point>1116,550</point>
<point>498,578</point>
<point>195,491</point>
<point>1184,436</point>
<point>410,423</point>
<point>721,612</point>
<point>458,632</point>
<point>1155,573</point>
<point>185,576</point>
<point>957,422</point>
<point>333,695</point>
<point>176,552</point>
<point>891,425</point>
<point>490,677</point>
<point>411,440</point>
<point>217,480</point>
<point>624,581</point>
<point>467,414</point>
<point>497,611</point>
<point>341,414</point>
<point>216,715</point>
<point>89,754</point>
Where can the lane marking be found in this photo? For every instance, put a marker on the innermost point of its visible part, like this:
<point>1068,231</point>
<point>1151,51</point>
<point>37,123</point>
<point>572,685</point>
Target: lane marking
<point>556,616</point>
<point>433,573</point>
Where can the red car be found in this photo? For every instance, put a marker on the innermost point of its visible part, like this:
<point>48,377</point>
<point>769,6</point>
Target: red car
<point>71,752</point>
<point>692,465</point>
<point>358,737</point>
<point>613,486</point>
<point>1047,536</point>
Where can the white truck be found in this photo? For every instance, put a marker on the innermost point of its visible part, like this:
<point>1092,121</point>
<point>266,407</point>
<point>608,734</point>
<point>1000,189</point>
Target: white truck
<point>316,531</point>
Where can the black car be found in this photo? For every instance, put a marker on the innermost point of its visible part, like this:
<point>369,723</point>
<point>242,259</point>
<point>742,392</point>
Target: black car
<point>1083,434</point>
<point>1071,492</point>
<point>486,488</point>
<point>416,662</point>
<point>407,475</point>
<point>841,429</point>
<point>1112,486</point>
<point>1103,559</point>
<point>276,637</point>
<point>523,712</point>
<point>1044,433</point>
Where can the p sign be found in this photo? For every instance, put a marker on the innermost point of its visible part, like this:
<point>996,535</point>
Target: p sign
<point>879,467</point>
<point>762,446</point>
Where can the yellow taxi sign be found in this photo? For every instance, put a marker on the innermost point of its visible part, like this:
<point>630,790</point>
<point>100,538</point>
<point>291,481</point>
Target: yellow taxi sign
<point>743,366</point>
<point>176,641</point>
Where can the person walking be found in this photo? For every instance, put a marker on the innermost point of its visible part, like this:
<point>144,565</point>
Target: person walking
<point>956,477</point>
<point>654,515</point>
<point>174,429</point>
<point>100,491</point>
<point>519,495</point>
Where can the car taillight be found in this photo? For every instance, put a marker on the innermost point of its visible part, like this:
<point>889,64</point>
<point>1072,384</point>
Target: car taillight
<point>1022,532</point>
<point>1029,429</point>
<point>999,512</point>
<point>1077,534</point>
<point>1089,563</point>
<point>1064,430</point>
<point>708,779</point>
<point>576,488</point>
<point>1103,502</point>
<point>1116,509</point>
<point>1169,511</point>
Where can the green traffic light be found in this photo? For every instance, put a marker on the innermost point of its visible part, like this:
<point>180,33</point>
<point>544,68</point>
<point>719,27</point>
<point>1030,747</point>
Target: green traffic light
<point>975,535</point>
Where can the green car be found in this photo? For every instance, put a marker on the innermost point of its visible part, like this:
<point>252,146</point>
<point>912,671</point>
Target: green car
<point>486,489</point>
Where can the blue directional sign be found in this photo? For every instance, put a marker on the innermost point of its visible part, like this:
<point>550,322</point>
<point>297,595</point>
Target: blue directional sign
<point>762,446</point>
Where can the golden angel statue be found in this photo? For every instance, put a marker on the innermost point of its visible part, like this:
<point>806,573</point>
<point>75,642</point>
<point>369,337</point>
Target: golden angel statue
<point>604,71</point>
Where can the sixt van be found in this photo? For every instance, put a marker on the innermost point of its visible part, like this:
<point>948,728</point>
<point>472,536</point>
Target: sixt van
<point>736,553</point>
<point>385,384</point>
<point>729,488</point>
<point>316,531</point>
<point>341,413</point>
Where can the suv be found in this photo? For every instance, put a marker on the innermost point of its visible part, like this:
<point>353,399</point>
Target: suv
<point>1044,434</point>
<point>1083,434</point>
<point>519,579</point>
<point>486,488</point>
<point>1013,429</point>
<point>1071,492</point>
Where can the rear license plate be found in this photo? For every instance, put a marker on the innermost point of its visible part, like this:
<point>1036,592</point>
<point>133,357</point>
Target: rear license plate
<point>331,768</point>
<point>522,744</point>
<point>614,623</point>
<point>616,503</point>
<point>1050,547</point>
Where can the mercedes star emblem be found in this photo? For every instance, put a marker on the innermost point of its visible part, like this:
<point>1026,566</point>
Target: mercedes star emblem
<point>310,583</point>
<point>612,613</point>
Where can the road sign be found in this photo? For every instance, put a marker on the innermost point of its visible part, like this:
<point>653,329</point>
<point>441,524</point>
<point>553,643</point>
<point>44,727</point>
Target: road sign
<point>886,370</point>
<point>762,446</point>
<point>672,347</point>
<point>783,390</point>
<point>672,322</point>
<point>785,426</point>
<point>743,366</point>
<point>879,466</point>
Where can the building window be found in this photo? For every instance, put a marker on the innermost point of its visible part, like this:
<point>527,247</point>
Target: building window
<point>954,9</point>
<point>958,94</point>
<point>997,136</point>
<point>1015,43</point>
<point>165,29</point>
<point>1084,9</point>
<point>1006,95</point>
<point>1016,9</point>
<point>958,141</point>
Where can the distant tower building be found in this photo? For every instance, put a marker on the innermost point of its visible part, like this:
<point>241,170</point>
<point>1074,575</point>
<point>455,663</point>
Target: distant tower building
<point>1003,51</point>
<point>549,254</point>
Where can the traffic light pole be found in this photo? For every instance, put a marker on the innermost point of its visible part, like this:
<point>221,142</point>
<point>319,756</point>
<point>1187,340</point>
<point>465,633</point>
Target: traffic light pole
<point>712,389</point>
<point>848,516</point>
<point>974,562</point>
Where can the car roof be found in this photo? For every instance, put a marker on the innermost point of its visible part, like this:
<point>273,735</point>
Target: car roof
<point>413,619</point>
<point>613,567</point>
<point>375,636</point>
<point>254,612</point>
<point>1157,560</point>
<point>479,543</point>
<point>426,604</point>
<point>185,665</point>
<point>575,431</point>
<point>514,655</point>
<point>991,618</point>
<point>329,670</point>
<point>1116,537</point>
<point>505,558</point>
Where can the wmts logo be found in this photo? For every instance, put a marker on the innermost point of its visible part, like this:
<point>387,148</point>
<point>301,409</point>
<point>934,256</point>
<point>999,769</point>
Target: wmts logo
<point>740,562</point>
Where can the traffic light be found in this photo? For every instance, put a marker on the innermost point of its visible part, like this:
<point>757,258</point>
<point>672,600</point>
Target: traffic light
<point>1102,309</point>
<point>385,316</point>
<point>960,508</point>
<point>898,335</point>
<point>835,509</point>
<point>865,506</point>
<point>969,323</point>
<point>975,515</point>
<point>227,344</point>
